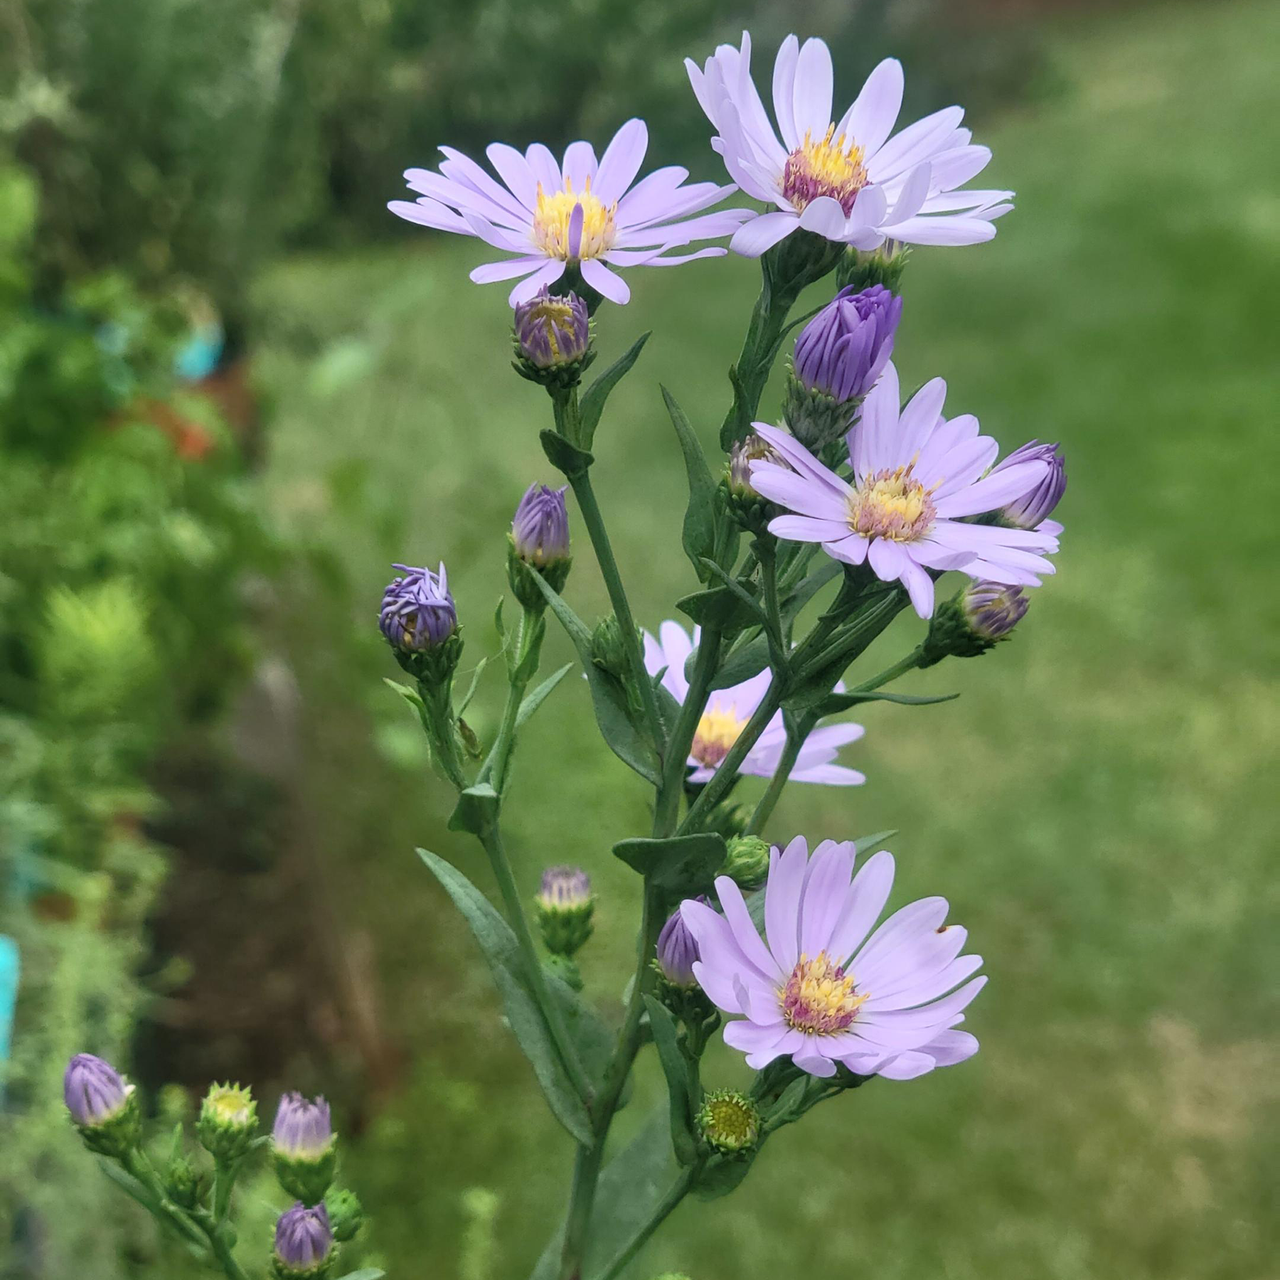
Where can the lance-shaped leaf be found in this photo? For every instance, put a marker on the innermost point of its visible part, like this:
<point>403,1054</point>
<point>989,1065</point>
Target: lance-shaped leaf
<point>563,455</point>
<point>524,1016</point>
<point>699,533</point>
<point>678,864</point>
<point>534,700</point>
<point>630,1189</point>
<point>477,807</point>
<point>835,702</point>
<point>681,1086</point>
<point>594,397</point>
<point>721,608</point>
<point>748,659</point>
<point>607,696</point>
<point>365,1273</point>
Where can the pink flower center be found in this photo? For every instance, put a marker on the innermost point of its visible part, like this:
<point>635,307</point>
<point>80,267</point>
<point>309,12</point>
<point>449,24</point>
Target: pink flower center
<point>830,167</point>
<point>892,504</point>
<point>819,997</point>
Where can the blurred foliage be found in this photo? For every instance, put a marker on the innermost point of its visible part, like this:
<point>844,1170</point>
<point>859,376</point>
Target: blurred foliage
<point>125,535</point>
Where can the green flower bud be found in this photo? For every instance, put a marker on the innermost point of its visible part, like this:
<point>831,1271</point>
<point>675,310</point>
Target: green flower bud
<point>863,268</point>
<point>608,651</point>
<point>746,862</point>
<point>346,1215</point>
<point>228,1122</point>
<point>973,621</point>
<point>565,908</point>
<point>729,1121</point>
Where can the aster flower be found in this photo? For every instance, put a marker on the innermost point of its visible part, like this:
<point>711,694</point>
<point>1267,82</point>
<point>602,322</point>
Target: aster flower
<point>1031,511</point>
<point>304,1240</point>
<point>94,1091</point>
<point>726,715</point>
<point>822,988</point>
<point>916,475</point>
<point>553,331</point>
<point>581,211</point>
<point>418,612</point>
<point>540,529</point>
<point>844,179</point>
<point>303,1129</point>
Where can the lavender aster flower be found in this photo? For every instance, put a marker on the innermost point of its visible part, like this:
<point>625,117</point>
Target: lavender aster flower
<point>1032,509</point>
<point>726,715</point>
<point>304,1241</point>
<point>839,355</point>
<point>677,950</point>
<point>579,212</point>
<point>916,475</point>
<point>303,1129</point>
<point>93,1090</point>
<point>417,610</point>
<point>822,988</point>
<point>540,530</point>
<point>993,610</point>
<point>553,330</point>
<point>845,179</point>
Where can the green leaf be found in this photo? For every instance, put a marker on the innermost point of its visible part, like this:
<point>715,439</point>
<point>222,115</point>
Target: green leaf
<point>630,1189</point>
<point>365,1273</point>
<point>502,951</point>
<point>607,696</point>
<point>681,1086</point>
<point>471,688</point>
<point>723,1174</point>
<point>809,587</point>
<point>477,807</point>
<point>592,404</point>
<point>835,702</point>
<point>535,699</point>
<point>699,532</point>
<point>679,864</point>
<point>720,608</point>
<point>563,455</point>
<point>745,661</point>
<point>409,694</point>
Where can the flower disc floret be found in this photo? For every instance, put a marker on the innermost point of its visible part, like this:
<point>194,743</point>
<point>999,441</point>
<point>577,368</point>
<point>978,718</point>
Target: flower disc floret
<point>832,167</point>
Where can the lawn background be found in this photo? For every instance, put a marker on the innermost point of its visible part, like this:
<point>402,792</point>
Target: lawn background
<point>1098,805</point>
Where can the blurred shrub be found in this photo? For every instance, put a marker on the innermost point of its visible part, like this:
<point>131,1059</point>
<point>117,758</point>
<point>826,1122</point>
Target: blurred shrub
<point>125,535</point>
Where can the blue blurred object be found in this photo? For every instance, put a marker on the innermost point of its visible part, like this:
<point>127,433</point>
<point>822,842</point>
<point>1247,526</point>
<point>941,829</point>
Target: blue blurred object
<point>199,355</point>
<point>8,996</point>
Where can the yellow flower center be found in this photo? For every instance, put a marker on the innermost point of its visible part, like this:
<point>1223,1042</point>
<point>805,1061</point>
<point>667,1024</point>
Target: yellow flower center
<point>819,997</point>
<point>830,167</point>
<point>892,504</point>
<point>552,218</point>
<point>717,731</point>
<point>553,315</point>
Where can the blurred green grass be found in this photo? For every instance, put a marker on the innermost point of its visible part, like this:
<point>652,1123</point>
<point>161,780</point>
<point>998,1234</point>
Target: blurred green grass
<point>1096,806</point>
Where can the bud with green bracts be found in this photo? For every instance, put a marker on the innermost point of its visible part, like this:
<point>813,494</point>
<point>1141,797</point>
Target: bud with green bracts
<point>346,1215</point>
<point>862,268</point>
<point>608,650</point>
<point>304,1247</point>
<point>566,970</point>
<point>103,1106</point>
<point>746,861</point>
<point>565,908</point>
<point>751,511</point>
<point>304,1147</point>
<point>973,621</point>
<point>553,340</point>
<point>539,545</point>
<point>729,1121</point>
<point>228,1122</point>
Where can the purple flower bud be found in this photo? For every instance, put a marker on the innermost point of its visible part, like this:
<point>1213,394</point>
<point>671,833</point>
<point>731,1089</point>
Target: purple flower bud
<point>417,610</point>
<point>843,349</point>
<point>303,1129</point>
<point>677,951</point>
<point>552,330</point>
<point>565,887</point>
<point>752,448</point>
<point>93,1090</point>
<point>303,1238</point>
<point>993,610</point>
<point>1039,501</point>
<point>540,530</point>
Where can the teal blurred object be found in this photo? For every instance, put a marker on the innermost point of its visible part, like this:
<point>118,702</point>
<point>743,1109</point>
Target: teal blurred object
<point>8,996</point>
<point>198,357</point>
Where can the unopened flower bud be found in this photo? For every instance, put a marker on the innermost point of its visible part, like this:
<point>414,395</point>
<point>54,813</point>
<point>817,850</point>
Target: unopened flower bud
<point>539,544</point>
<point>304,1147</point>
<point>1037,503</point>
<point>729,1121</point>
<point>608,651</point>
<point>751,511</point>
<point>553,339</point>
<point>103,1105</point>
<point>418,612</point>
<point>182,1183</point>
<point>970,623</point>
<point>346,1214</point>
<point>862,268</point>
<point>746,861</point>
<point>304,1244</point>
<point>228,1122</point>
<point>839,355</point>
<point>565,908</point>
<point>677,950</point>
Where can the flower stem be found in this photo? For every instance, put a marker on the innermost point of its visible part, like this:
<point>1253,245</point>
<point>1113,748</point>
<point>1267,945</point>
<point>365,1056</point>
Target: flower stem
<point>491,839</point>
<point>797,731</point>
<point>495,767</point>
<point>677,1192</point>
